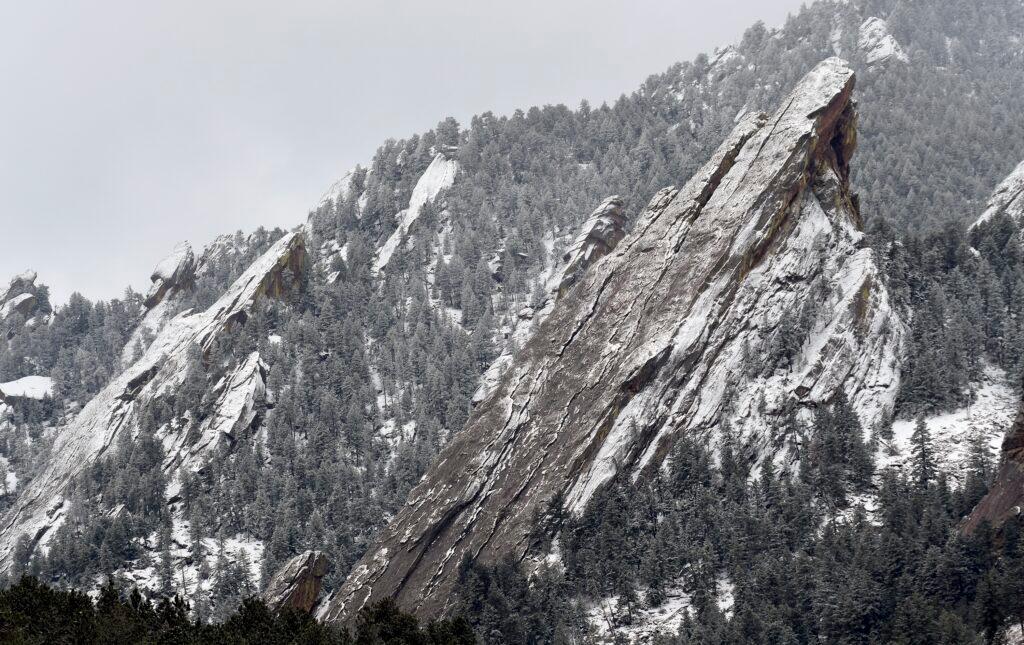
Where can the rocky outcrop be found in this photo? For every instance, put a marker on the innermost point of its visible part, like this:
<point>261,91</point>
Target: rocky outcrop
<point>159,372</point>
<point>745,295</point>
<point>439,175</point>
<point>20,296</point>
<point>297,584</point>
<point>23,303</point>
<point>877,43</point>
<point>1007,199</point>
<point>601,233</point>
<point>176,271</point>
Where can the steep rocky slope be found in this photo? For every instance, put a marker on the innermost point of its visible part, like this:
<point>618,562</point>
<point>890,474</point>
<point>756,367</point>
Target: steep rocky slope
<point>159,372</point>
<point>758,255</point>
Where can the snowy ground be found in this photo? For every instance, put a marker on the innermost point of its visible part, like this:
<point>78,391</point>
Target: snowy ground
<point>990,415</point>
<point>648,623</point>
<point>29,387</point>
<point>186,570</point>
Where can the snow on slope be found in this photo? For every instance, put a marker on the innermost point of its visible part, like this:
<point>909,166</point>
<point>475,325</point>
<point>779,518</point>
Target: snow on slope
<point>338,189</point>
<point>439,175</point>
<point>990,415</point>
<point>878,44</point>
<point>115,409</point>
<point>649,624</point>
<point>28,387</point>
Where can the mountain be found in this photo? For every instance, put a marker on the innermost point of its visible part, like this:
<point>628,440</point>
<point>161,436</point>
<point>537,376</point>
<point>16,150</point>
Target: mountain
<point>283,392</point>
<point>117,412</point>
<point>659,340</point>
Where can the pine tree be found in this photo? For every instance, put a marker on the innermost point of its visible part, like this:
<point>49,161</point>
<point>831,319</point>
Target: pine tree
<point>922,455</point>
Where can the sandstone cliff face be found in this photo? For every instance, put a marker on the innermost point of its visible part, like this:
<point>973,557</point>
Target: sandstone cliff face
<point>42,506</point>
<point>663,337</point>
<point>297,584</point>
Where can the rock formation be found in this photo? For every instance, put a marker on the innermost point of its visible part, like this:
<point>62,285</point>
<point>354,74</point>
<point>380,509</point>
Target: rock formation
<point>601,233</point>
<point>679,330</point>
<point>1007,199</point>
<point>157,373</point>
<point>438,176</point>
<point>20,296</point>
<point>296,585</point>
<point>176,271</point>
<point>878,44</point>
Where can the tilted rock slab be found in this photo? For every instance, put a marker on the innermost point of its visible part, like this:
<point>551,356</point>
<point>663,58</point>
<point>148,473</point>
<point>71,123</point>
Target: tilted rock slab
<point>1007,199</point>
<point>601,233</point>
<point>42,506</point>
<point>662,338</point>
<point>296,585</point>
<point>176,271</point>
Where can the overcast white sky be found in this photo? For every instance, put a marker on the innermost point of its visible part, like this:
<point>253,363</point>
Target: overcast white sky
<point>127,126</point>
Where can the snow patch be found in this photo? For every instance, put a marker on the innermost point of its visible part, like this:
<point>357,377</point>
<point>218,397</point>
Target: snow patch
<point>990,415</point>
<point>28,387</point>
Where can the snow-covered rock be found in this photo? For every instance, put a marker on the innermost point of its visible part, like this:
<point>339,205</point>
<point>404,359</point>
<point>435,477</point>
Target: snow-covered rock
<point>601,233</point>
<point>877,43</point>
<point>20,283</point>
<point>665,337</point>
<point>238,394</point>
<point>23,303</point>
<point>338,190</point>
<point>175,271</point>
<point>41,506</point>
<point>27,387</point>
<point>1007,198</point>
<point>438,176</point>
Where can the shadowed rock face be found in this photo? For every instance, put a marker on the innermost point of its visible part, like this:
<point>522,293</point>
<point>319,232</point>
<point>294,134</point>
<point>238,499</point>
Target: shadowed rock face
<point>666,336</point>
<point>42,506</point>
<point>297,584</point>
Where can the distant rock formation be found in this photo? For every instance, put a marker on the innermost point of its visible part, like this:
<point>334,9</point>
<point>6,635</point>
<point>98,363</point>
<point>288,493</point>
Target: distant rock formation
<point>20,296</point>
<point>159,372</point>
<point>296,585</point>
<point>1007,199</point>
<point>681,329</point>
<point>601,233</point>
<point>176,271</point>
<point>877,43</point>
